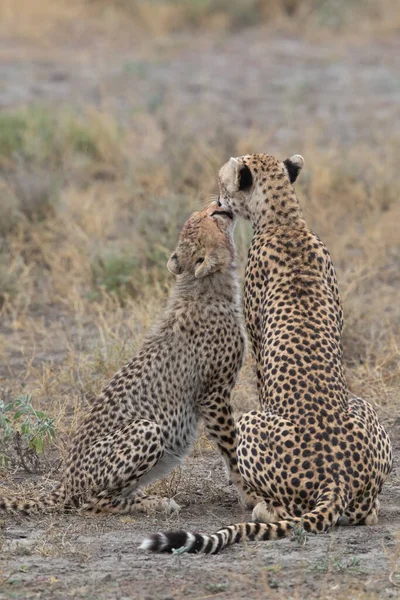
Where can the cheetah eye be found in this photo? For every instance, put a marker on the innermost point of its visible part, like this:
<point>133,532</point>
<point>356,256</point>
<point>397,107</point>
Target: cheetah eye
<point>199,261</point>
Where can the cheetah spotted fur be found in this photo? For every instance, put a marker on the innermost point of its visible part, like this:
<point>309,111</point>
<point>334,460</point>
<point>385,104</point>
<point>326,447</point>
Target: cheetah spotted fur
<point>315,456</point>
<point>146,419</point>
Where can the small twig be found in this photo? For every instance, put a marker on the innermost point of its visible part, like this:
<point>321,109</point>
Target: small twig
<point>20,452</point>
<point>8,577</point>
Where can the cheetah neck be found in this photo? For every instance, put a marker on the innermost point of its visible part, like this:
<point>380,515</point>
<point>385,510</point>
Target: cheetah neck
<point>221,288</point>
<point>276,205</point>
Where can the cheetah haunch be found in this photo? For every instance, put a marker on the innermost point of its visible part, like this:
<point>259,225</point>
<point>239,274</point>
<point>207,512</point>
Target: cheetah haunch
<point>146,419</point>
<point>316,457</point>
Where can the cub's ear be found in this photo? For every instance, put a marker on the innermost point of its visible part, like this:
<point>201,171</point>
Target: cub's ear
<point>173,265</point>
<point>235,176</point>
<point>204,266</point>
<point>293,165</point>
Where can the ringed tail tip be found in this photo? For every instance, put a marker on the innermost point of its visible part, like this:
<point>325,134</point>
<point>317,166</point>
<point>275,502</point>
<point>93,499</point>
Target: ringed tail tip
<point>174,540</point>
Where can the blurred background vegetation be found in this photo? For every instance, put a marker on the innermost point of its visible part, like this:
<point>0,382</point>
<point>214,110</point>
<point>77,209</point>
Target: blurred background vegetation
<point>166,17</point>
<point>115,119</point>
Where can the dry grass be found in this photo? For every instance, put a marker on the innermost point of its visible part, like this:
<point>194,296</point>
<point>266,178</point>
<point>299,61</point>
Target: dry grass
<point>49,21</point>
<point>88,226</point>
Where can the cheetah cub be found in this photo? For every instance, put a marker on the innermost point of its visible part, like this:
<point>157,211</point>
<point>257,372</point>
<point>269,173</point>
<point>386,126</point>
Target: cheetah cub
<point>316,456</point>
<point>146,419</point>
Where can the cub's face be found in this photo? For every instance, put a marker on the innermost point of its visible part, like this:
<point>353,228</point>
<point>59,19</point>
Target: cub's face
<point>245,182</point>
<point>206,243</point>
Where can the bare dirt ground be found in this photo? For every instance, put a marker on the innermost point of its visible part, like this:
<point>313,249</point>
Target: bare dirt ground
<point>73,556</point>
<point>248,80</point>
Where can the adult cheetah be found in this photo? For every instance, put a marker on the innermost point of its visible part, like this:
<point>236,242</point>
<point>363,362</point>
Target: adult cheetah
<point>146,419</point>
<point>316,457</point>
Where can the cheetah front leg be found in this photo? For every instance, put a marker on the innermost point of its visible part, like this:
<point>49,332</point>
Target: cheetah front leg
<point>116,464</point>
<point>220,426</point>
<point>122,505</point>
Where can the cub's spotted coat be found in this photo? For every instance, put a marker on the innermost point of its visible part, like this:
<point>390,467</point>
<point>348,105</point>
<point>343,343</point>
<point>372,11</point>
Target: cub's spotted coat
<point>145,420</point>
<point>316,457</point>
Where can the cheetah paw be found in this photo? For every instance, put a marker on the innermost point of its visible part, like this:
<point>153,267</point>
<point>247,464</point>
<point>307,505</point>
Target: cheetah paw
<point>172,507</point>
<point>262,514</point>
<point>372,518</point>
<point>167,506</point>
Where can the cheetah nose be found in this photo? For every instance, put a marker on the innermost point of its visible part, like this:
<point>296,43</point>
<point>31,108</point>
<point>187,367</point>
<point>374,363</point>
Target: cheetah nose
<point>219,201</point>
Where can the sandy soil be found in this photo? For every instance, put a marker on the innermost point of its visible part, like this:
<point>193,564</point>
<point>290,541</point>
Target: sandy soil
<point>71,556</point>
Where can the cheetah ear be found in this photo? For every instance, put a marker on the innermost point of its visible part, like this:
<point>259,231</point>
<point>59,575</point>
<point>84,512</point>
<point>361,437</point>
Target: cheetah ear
<point>236,176</point>
<point>293,165</point>
<point>245,178</point>
<point>173,265</point>
<point>234,164</point>
<point>229,175</point>
<point>205,267</point>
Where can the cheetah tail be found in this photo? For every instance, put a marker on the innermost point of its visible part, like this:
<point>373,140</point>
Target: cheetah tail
<point>320,519</point>
<point>47,503</point>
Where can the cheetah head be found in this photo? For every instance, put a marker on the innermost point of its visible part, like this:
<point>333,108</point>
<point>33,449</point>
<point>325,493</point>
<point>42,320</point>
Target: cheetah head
<point>205,244</point>
<point>246,181</point>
